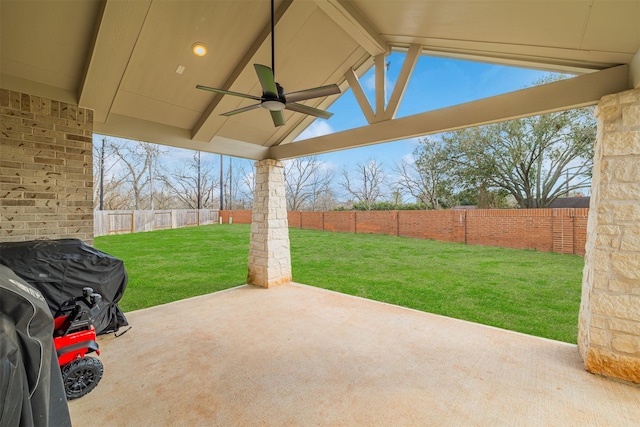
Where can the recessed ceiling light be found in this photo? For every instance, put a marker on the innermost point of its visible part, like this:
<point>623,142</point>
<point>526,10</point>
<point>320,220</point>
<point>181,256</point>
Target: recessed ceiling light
<point>199,49</point>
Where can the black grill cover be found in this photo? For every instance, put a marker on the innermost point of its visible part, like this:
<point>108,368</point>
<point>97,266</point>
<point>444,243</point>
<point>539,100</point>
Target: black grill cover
<point>31,389</point>
<point>61,268</point>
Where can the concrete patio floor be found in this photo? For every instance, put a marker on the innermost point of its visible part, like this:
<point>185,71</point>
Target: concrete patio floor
<point>295,355</point>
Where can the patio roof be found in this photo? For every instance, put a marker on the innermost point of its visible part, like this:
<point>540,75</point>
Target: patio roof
<point>130,61</point>
<point>298,355</point>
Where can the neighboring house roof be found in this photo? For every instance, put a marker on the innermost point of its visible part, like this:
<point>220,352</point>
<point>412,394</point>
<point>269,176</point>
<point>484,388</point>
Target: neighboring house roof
<point>571,202</point>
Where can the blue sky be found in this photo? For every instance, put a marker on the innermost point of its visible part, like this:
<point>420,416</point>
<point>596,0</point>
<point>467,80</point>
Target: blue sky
<point>435,83</point>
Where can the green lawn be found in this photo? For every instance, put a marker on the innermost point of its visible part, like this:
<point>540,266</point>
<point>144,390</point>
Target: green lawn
<point>532,292</point>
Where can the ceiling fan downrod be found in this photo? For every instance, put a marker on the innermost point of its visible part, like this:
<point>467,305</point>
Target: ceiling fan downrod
<point>273,41</point>
<point>273,98</point>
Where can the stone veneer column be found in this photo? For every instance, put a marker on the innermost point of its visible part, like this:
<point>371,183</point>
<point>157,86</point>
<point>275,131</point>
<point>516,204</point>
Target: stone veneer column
<point>46,169</point>
<point>269,253</point>
<point>609,336</point>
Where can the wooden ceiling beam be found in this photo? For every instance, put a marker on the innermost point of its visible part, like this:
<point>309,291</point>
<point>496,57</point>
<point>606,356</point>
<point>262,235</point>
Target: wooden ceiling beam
<point>566,94</point>
<point>120,25</point>
<point>132,128</point>
<point>353,23</point>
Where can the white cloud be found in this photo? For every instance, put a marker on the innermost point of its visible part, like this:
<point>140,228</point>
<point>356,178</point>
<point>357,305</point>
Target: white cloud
<point>408,158</point>
<point>328,166</point>
<point>369,82</point>
<point>369,86</point>
<point>317,128</point>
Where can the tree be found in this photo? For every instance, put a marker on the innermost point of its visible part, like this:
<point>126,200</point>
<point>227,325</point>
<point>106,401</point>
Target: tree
<point>246,188</point>
<point>535,159</point>
<point>238,184</point>
<point>365,184</point>
<point>426,178</point>
<point>193,183</point>
<point>105,185</point>
<point>138,162</point>
<point>126,170</point>
<point>306,182</point>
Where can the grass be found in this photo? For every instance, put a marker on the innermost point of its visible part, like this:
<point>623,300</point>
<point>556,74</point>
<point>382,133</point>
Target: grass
<point>526,291</point>
<point>169,265</point>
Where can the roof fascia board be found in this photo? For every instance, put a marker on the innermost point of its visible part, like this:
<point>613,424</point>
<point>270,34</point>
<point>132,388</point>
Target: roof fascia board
<point>575,92</point>
<point>553,59</point>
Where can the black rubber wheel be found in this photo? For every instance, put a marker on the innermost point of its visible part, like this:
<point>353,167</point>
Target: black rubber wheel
<point>81,376</point>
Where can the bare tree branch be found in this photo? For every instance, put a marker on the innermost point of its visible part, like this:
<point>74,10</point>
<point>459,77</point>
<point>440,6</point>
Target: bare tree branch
<point>365,186</point>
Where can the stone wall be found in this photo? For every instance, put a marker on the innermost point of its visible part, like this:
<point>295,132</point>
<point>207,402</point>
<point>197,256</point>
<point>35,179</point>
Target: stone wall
<point>46,169</point>
<point>609,336</point>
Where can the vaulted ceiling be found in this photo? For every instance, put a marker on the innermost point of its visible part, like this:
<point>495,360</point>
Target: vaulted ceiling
<point>131,61</point>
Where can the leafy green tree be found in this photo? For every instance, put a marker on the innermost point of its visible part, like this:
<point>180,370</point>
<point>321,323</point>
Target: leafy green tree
<point>535,159</point>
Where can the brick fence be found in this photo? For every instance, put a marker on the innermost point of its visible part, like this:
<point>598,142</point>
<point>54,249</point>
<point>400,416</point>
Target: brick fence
<point>547,230</point>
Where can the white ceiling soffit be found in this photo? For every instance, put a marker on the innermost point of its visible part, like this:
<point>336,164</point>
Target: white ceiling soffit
<point>121,57</point>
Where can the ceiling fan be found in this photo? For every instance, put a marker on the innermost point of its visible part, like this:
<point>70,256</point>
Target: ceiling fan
<point>273,96</point>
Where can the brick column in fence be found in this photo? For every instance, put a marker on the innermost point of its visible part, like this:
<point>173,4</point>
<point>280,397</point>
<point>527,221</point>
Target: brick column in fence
<point>609,336</point>
<point>269,251</point>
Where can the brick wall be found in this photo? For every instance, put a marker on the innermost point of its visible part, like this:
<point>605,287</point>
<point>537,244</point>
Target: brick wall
<point>238,217</point>
<point>531,229</point>
<point>312,220</point>
<point>447,226</point>
<point>338,221</point>
<point>377,222</point>
<point>546,230</point>
<point>46,169</point>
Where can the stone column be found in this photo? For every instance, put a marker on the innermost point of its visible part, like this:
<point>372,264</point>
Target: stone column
<point>269,252</point>
<point>609,335</point>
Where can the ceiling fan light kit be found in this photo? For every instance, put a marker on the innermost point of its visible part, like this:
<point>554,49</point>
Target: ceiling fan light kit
<point>273,96</point>
<point>273,105</point>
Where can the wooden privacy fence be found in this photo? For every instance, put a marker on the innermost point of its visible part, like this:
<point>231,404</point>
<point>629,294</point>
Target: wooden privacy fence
<point>133,221</point>
<point>548,230</point>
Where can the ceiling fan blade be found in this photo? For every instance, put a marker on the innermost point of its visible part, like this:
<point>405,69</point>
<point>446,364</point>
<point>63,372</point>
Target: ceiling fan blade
<point>267,81</point>
<point>299,108</point>
<point>228,92</point>
<point>277,117</point>
<point>240,110</point>
<point>316,92</point>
